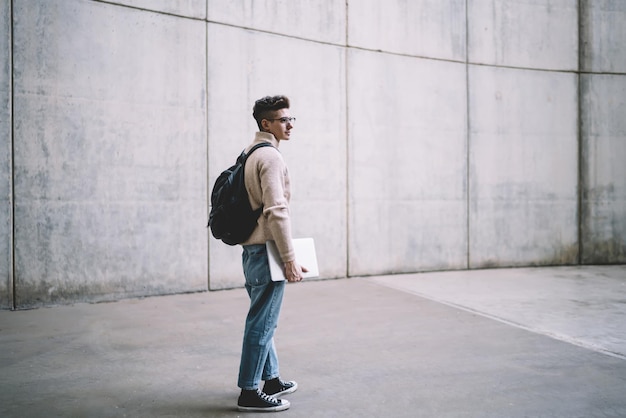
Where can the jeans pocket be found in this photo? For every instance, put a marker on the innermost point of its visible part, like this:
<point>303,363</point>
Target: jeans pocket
<point>255,265</point>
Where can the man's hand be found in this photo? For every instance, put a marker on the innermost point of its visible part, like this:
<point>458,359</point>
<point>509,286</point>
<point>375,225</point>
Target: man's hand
<point>293,271</point>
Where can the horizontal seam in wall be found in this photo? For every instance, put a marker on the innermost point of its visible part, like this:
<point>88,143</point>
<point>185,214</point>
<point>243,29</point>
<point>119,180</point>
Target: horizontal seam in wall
<point>600,73</point>
<point>143,9</point>
<point>465,62</point>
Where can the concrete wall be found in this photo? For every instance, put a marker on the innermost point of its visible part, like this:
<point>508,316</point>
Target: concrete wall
<point>110,152</point>
<point>603,126</point>
<point>430,135</point>
<point>407,136</point>
<point>523,132</point>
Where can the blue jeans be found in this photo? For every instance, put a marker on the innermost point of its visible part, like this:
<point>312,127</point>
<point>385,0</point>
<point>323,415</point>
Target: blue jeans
<point>258,354</point>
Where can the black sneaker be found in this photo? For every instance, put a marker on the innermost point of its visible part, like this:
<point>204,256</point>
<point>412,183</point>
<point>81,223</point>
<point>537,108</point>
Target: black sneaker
<point>277,387</point>
<point>257,401</point>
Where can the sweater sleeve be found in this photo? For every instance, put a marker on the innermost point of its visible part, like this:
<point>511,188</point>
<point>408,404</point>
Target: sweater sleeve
<point>273,176</point>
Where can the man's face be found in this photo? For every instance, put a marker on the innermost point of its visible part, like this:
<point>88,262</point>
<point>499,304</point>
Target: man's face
<point>280,125</point>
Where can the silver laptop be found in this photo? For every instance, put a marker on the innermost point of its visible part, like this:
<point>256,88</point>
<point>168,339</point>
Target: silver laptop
<point>305,256</point>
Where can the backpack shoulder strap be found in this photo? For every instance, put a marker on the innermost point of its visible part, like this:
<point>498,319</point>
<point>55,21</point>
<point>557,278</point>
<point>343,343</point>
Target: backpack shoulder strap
<point>245,156</point>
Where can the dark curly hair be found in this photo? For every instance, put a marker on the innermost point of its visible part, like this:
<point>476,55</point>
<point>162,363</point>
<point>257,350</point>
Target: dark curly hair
<point>265,107</point>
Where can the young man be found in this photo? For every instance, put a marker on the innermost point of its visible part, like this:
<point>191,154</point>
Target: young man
<point>267,182</point>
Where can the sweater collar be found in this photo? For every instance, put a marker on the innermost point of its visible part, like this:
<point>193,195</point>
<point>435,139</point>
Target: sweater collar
<point>266,137</point>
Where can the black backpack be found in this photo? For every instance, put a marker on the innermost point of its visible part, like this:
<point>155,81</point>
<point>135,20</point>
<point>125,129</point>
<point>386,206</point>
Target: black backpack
<point>231,218</point>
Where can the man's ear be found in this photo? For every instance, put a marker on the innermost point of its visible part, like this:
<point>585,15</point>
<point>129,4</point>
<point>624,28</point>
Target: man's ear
<point>265,124</point>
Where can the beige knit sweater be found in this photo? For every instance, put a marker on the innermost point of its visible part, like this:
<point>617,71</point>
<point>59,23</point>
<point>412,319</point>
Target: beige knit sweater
<point>267,182</point>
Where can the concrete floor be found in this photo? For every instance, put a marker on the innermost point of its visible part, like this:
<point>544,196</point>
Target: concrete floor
<point>537,342</point>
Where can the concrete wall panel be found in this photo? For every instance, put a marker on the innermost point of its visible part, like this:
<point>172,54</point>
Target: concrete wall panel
<point>531,34</point>
<point>604,169</point>
<point>523,167</point>
<point>313,78</point>
<point>124,116</point>
<point>407,162</point>
<point>322,20</point>
<point>5,153</point>
<point>604,35</point>
<point>110,152</point>
<point>427,28</point>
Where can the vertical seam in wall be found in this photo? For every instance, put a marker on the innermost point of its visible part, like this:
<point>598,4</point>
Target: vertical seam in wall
<point>579,132</point>
<point>11,289</point>
<point>206,104</point>
<point>347,172</point>
<point>467,136</point>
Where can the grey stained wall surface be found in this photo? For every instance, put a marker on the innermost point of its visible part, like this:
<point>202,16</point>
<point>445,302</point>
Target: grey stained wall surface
<point>430,135</point>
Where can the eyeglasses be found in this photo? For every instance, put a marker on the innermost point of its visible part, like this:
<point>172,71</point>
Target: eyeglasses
<point>284,120</point>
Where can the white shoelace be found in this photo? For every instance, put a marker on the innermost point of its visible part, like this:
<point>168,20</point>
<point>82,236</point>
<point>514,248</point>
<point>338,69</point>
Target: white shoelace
<point>268,398</point>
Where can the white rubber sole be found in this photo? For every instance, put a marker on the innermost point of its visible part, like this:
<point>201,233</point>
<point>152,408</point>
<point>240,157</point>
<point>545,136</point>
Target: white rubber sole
<point>283,405</point>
